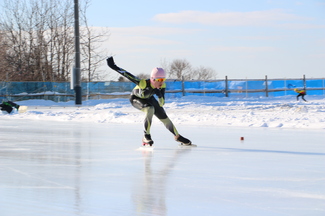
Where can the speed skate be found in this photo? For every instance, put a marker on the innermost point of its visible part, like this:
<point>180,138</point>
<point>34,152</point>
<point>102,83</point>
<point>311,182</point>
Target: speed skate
<point>146,147</point>
<point>187,145</point>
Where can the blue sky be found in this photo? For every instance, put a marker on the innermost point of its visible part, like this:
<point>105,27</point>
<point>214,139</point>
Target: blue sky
<point>238,39</point>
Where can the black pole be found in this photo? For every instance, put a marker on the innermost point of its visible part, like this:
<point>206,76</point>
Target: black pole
<point>266,87</point>
<point>226,85</point>
<point>77,86</point>
<point>183,87</point>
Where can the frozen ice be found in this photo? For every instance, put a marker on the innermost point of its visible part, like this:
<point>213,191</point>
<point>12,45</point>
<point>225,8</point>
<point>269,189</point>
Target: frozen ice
<point>85,161</point>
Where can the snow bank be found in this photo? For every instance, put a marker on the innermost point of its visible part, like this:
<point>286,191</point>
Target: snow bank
<point>283,112</point>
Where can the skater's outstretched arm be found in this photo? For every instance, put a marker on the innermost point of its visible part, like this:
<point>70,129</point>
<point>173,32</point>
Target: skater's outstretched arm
<point>126,74</point>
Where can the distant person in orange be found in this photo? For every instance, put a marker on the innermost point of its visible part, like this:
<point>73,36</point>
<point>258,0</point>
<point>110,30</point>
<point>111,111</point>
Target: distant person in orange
<point>301,93</point>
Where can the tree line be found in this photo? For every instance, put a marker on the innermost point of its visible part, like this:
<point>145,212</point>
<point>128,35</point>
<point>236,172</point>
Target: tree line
<point>37,41</point>
<point>182,69</point>
<point>37,44</point>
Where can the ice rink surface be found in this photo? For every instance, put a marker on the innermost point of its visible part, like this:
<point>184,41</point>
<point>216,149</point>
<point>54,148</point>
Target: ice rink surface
<point>58,168</point>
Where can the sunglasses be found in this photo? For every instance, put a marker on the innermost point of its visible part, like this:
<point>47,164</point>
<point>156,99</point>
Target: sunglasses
<point>160,79</point>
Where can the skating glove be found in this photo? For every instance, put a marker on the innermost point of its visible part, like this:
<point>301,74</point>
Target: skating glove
<point>112,65</point>
<point>161,101</point>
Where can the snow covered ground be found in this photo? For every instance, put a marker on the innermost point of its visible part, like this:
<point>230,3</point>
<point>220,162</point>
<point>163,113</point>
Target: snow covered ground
<point>284,112</point>
<point>60,159</point>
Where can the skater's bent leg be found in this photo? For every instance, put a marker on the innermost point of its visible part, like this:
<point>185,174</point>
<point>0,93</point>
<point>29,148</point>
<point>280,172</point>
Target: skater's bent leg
<point>169,125</point>
<point>150,110</point>
<point>162,116</point>
<point>303,97</point>
<point>145,106</point>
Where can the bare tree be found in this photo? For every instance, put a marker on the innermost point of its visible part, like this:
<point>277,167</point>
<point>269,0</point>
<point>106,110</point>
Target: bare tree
<point>60,39</point>
<point>143,76</point>
<point>165,64</point>
<point>38,36</point>
<point>122,79</point>
<point>179,68</point>
<point>3,64</point>
<point>203,73</point>
<point>91,40</point>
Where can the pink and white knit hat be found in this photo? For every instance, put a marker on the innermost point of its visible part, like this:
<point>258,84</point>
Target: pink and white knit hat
<point>157,73</point>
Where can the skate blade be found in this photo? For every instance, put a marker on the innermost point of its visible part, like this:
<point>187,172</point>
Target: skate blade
<point>145,148</point>
<point>187,146</point>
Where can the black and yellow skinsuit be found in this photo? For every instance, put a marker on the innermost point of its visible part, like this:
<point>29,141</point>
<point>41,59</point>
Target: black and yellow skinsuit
<point>142,98</point>
<point>8,106</point>
<point>301,93</point>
